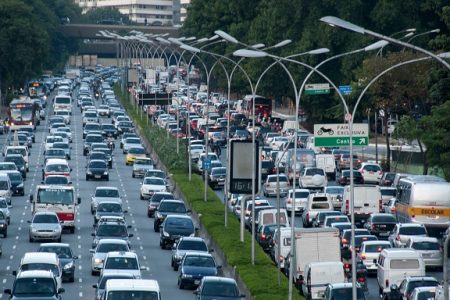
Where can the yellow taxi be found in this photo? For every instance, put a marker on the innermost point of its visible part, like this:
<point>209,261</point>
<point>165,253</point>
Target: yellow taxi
<point>133,153</point>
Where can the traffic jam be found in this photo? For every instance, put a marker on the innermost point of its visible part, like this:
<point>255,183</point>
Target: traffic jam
<point>77,178</point>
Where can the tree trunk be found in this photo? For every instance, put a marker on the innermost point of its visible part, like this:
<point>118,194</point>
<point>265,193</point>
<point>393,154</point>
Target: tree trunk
<point>388,148</point>
<point>424,157</point>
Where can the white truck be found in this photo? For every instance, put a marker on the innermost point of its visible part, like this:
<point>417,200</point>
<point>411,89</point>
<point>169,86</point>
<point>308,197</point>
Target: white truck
<point>314,245</point>
<point>327,162</point>
<point>367,200</point>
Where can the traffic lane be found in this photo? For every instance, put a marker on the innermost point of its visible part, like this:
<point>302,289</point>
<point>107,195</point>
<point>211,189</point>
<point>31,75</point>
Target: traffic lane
<point>145,241</point>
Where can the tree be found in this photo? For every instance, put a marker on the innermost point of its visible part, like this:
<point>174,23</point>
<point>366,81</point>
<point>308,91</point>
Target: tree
<point>437,137</point>
<point>102,14</point>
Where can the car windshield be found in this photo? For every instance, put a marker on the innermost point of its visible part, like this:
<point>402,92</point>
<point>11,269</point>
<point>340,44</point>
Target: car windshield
<point>419,283</point>
<point>62,252</point>
<point>425,245</point>
<point>154,181</point>
<point>20,151</point>
<point>197,147</point>
<point>41,267</point>
<point>92,127</point>
<point>55,196</point>
<point>125,124</point>
<point>109,247</point>
<point>172,207</point>
<point>376,248</point>
<point>135,295</point>
<point>199,261</point>
<point>44,219</point>
<point>192,245</point>
<point>90,115</point>
<point>57,168</point>
<point>105,278</point>
<point>94,139</point>
<point>179,223</point>
<point>18,160</point>
<point>301,194</point>
<point>112,230</point>
<point>61,145</point>
<point>412,231</point>
<point>97,165</point>
<point>372,168</point>
<point>312,172</point>
<point>334,190</point>
<point>219,171</point>
<point>274,179</point>
<point>8,166</point>
<point>109,207</point>
<point>121,263</point>
<point>136,151</point>
<point>3,204</point>
<point>108,126</point>
<point>220,289</point>
<point>34,286</point>
<point>132,141</point>
<point>113,193</point>
<point>388,218</point>
<point>145,162</point>
<point>346,293</point>
<point>154,173</point>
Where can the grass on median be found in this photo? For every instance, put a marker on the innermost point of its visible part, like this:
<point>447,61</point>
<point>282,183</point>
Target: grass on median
<point>260,279</point>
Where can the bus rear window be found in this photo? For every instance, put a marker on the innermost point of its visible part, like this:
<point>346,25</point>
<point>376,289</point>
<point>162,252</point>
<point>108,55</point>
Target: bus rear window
<point>404,264</point>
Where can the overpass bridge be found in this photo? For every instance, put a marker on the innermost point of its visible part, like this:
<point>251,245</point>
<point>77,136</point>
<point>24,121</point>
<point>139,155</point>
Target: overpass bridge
<point>104,47</point>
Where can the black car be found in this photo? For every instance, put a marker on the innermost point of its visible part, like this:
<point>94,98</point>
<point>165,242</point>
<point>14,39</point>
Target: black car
<point>98,155</point>
<point>217,177</point>
<point>155,200</point>
<point>3,225</point>
<point>108,155</point>
<point>267,168</point>
<point>174,227</point>
<point>19,161</point>
<point>215,287</point>
<point>168,207</point>
<point>124,126</point>
<point>318,221</point>
<point>344,179</point>
<point>91,138</point>
<point>17,183</point>
<point>264,236</point>
<point>381,224</point>
<point>109,130</point>
<point>97,169</point>
<point>194,266</point>
<point>66,258</point>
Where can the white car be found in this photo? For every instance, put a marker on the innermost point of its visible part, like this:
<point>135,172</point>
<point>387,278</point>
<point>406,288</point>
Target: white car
<point>278,142</point>
<point>66,130</point>
<point>103,247</point>
<point>370,251</point>
<point>195,151</point>
<point>371,172</point>
<point>300,199</point>
<point>313,178</point>
<point>130,142</point>
<point>54,127</point>
<point>122,262</point>
<point>151,185</point>
<point>52,139</point>
<point>103,110</point>
<point>65,114</point>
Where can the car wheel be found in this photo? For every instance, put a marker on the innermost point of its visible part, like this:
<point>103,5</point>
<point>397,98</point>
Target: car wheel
<point>59,239</point>
<point>132,175</point>
<point>180,284</point>
<point>107,178</point>
<point>30,239</point>
<point>175,267</point>
<point>156,228</point>
<point>87,178</point>
<point>72,279</point>
<point>142,198</point>
<point>93,273</point>
<point>72,230</point>
<point>5,234</point>
<point>9,221</point>
<point>22,193</point>
<point>161,244</point>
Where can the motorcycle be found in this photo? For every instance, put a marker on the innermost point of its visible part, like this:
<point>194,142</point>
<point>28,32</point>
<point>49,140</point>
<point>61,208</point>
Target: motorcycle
<point>111,144</point>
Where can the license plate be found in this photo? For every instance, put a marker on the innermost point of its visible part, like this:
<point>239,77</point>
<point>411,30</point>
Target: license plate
<point>196,281</point>
<point>97,176</point>
<point>221,183</point>
<point>384,233</point>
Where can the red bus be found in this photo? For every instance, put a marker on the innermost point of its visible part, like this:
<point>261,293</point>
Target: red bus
<point>263,107</point>
<point>23,113</point>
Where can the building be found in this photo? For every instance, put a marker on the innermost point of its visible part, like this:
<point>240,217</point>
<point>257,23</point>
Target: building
<point>151,12</point>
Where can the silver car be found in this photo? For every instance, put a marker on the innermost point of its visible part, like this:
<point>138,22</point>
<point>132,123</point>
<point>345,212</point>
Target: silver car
<point>103,247</point>
<point>141,166</point>
<point>45,226</point>
<point>4,208</point>
<point>186,244</point>
<point>429,248</point>
<point>270,186</point>
<point>104,193</point>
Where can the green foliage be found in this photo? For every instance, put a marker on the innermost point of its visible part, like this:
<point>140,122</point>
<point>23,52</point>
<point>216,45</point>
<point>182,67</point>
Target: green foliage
<point>437,137</point>
<point>104,13</point>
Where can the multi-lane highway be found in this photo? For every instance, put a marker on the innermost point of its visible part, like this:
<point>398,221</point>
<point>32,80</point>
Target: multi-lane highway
<point>145,241</point>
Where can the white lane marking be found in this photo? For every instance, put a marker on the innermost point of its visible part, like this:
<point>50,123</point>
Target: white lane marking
<point>80,280</point>
<point>80,294</point>
<point>7,269</point>
<point>138,238</point>
<point>141,248</point>
<point>14,247</point>
<point>4,280</point>
<point>11,257</point>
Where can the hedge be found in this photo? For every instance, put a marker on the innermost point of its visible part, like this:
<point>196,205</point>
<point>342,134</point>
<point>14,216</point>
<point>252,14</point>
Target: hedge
<point>261,279</point>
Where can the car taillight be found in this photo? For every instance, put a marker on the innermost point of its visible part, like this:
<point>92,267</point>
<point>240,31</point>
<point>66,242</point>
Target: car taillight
<point>363,256</point>
<point>307,216</point>
<point>372,226</point>
<point>344,241</point>
<point>361,279</point>
<point>347,205</point>
<point>393,210</point>
<point>380,205</point>
<point>397,237</point>
<point>263,237</point>
<point>289,201</point>
<point>387,282</point>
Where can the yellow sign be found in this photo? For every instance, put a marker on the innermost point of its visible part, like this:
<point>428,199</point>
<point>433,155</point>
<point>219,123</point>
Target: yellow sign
<point>429,211</point>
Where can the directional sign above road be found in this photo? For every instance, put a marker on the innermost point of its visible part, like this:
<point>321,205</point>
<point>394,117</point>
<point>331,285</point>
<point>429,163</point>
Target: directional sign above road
<point>335,135</point>
<point>345,89</point>
<point>317,88</point>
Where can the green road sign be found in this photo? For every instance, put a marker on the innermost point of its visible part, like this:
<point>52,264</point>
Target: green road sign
<point>317,92</point>
<point>340,141</point>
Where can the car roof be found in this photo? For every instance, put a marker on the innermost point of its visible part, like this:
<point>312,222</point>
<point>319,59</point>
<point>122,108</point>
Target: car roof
<point>39,257</point>
<point>198,253</point>
<point>45,213</point>
<point>377,242</point>
<point>54,161</point>
<point>54,245</point>
<point>410,225</point>
<point>35,274</point>
<point>127,254</point>
<point>133,284</point>
<point>178,217</point>
<point>423,239</point>
<point>218,279</point>
<point>106,188</point>
<point>112,241</point>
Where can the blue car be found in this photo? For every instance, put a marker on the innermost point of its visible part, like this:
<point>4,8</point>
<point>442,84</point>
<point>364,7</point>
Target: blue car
<point>194,266</point>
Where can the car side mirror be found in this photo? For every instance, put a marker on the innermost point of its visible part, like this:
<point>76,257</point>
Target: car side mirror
<point>125,211</point>
<point>91,250</point>
<point>375,261</point>
<point>143,268</point>
<point>31,196</point>
<point>14,273</point>
<point>211,250</point>
<point>29,222</point>
<point>196,292</point>
<point>129,226</point>
<point>189,211</point>
<point>61,290</point>
<point>75,257</point>
<point>94,286</point>
<point>92,234</point>
<point>160,226</point>
<point>242,296</point>
<point>219,267</point>
<point>7,291</point>
<point>79,200</point>
<point>130,235</point>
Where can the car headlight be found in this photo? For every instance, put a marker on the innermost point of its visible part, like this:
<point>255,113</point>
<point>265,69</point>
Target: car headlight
<point>89,172</point>
<point>68,266</point>
<point>20,185</point>
<point>178,257</point>
<point>186,276</point>
<point>98,261</point>
<point>166,234</point>
<point>33,230</point>
<point>56,230</point>
<point>2,225</point>
<point>105,173</point>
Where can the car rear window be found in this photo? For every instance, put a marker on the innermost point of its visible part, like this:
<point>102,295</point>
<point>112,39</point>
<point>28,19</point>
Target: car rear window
<point>376,248</point>
<point>404,264</point>
<point>412,230</point>
<point>426,246</point>
<point>320,205</point>
<point>385,218</point>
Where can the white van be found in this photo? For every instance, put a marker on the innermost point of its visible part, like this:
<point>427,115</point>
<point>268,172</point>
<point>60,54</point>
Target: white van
<point>117,289</point>
<point>41,261</point>
<point>62,102</point>
<point>316,202</point>
<point>395,264</point>
<point>367,199</point>
<point>270,216</point>
<point>327,162</point>
<point>5,187</point>
<point>318,275</point>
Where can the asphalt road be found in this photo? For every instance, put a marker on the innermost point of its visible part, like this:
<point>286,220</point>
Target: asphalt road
<point>145,241</point>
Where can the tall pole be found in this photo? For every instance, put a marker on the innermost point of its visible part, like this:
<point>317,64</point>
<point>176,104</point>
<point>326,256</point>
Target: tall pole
<point>445,267</point>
